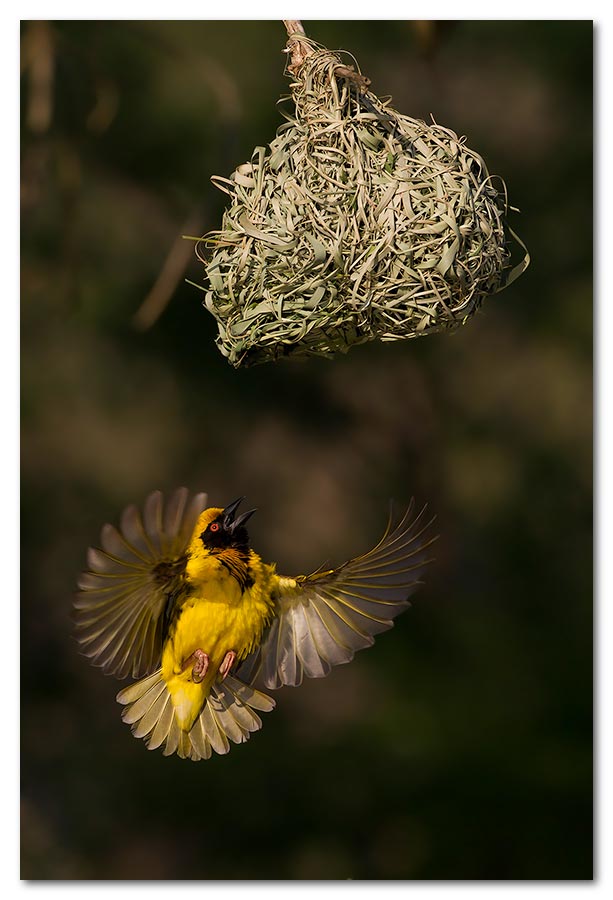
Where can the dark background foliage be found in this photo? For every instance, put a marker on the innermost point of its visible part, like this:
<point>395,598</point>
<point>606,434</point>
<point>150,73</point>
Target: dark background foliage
<point>460,745</point>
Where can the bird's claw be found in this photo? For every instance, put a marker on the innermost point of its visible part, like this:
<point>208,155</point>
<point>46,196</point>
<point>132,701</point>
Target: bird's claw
<point>228,661</point>
<point>200,661</point>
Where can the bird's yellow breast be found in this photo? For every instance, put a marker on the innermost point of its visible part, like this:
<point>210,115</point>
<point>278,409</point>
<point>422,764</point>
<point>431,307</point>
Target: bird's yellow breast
<point>215,616</point>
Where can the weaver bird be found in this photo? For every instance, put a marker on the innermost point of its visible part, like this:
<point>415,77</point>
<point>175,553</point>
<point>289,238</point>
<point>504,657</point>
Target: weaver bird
<point>179,597</point>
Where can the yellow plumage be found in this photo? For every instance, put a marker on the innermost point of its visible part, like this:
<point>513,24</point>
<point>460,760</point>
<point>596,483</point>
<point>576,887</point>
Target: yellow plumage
<point>214,613</point>
<point>177,595</point>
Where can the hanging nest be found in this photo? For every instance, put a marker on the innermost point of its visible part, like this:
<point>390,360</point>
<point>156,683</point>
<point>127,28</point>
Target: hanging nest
<point>356,223</point>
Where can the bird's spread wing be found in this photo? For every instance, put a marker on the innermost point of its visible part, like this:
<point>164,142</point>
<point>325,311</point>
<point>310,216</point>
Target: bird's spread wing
<point>323,618</point>
<point>124,594</point>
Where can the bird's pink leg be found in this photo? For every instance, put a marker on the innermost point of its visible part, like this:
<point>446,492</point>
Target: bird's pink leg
<point>200,659</point>
<point>228,661</point>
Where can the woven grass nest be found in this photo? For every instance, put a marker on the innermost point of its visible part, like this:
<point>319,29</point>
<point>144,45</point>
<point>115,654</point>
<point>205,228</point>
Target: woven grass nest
<point>356,223</point>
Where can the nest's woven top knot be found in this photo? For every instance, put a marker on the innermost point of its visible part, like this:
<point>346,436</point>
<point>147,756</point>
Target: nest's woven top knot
<point>318,71</point>
<point>299,46</point>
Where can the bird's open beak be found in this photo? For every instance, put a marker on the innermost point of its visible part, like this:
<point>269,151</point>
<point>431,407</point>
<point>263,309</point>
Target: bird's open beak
<point>230,522</point>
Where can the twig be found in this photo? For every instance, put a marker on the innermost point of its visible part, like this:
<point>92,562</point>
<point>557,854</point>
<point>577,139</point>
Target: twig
<point>299,49</point>
<point>165,285</point>
<point>293,26</point>
<point>38,55</point>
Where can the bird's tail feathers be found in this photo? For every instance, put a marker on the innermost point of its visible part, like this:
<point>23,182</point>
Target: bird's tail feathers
<point>229,714</point>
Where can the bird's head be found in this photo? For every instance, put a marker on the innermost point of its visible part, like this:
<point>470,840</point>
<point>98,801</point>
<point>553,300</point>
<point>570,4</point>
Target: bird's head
<point>220,529</point>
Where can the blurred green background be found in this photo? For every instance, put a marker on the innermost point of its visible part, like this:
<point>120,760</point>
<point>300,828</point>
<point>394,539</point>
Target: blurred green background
<point>460,745</point>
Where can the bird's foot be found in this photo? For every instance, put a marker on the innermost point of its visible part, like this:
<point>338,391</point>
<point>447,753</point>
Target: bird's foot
<point>228,661</point>
<point>200,661</point>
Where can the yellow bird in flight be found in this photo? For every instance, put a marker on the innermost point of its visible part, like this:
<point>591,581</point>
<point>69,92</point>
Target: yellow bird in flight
<point>178,596</point>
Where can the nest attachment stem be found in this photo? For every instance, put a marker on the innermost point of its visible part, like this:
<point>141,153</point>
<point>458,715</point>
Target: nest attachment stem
<point>293,27</point>
<point>299,49</point>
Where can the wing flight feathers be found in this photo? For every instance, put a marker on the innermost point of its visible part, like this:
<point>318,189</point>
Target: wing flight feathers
<point>118,610</point>
<point>324,618</point>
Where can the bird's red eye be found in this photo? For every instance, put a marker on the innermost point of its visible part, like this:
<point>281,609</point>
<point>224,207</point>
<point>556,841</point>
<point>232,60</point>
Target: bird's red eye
<point>215,526</point>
